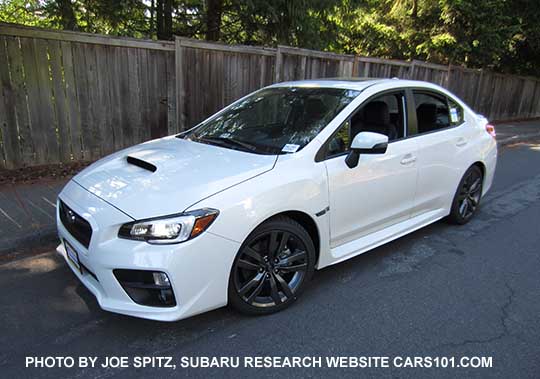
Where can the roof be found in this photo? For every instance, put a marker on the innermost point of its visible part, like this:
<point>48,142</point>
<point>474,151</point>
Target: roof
<point>346,83</point>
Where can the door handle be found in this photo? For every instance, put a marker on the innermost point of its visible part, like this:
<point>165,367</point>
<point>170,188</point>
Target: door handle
<point>461,142</point>
<point>408,159</point>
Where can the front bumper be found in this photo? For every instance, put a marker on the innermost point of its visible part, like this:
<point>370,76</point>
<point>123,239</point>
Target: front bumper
<point>198,269</point>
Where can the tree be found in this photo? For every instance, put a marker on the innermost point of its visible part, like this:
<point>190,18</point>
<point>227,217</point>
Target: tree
<point>164,19</point>
<point>498,34</point>
<point>214,10</point>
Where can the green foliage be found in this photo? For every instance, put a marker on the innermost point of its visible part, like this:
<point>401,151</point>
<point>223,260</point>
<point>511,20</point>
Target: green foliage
<point>499,34</point>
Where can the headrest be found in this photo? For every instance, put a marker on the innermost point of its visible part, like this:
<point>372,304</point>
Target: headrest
<point>376,113</point>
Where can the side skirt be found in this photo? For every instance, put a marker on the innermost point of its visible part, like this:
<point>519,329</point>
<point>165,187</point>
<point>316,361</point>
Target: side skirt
<point>376,239</point>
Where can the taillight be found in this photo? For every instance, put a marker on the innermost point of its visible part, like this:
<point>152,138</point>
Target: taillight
<point>491,130</point>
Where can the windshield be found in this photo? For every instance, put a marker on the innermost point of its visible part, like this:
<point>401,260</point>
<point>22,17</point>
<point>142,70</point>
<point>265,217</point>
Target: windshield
<point>274,120</point>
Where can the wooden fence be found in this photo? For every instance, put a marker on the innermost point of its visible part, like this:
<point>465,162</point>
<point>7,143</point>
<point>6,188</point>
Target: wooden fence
<point>77,97</point>
<point>210,76</point>
<point>69,96</point>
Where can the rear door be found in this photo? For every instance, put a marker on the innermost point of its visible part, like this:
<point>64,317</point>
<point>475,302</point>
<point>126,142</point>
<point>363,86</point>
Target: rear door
<point>439,129</point>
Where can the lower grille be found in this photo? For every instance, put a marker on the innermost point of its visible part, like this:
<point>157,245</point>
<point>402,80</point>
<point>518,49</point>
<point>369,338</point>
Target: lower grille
<point>77,226</point>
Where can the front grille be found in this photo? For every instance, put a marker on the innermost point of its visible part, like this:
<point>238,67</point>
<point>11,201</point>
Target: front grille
<point>77,226</point>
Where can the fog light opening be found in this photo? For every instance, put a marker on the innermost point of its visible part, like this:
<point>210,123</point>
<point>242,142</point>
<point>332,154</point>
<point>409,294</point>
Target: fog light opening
<point>150,288</point>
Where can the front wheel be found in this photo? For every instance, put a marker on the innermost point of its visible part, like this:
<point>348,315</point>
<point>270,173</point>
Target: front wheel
<point>272,267</point>
<point>467,197</point>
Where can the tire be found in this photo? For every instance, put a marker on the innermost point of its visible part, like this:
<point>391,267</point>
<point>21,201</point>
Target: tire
<point>467,198</point>
<point>272,267</point>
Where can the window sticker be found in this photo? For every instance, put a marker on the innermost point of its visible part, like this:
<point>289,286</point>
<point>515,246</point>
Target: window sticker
<point>454,117</point>
<point>225,135</point>
<point>290,148</point>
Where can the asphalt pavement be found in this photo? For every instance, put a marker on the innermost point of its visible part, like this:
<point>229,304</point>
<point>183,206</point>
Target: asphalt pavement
<point>443,291</point>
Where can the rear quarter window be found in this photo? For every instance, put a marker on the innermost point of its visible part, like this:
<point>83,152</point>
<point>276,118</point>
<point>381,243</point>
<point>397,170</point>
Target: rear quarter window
<point>455,113</point>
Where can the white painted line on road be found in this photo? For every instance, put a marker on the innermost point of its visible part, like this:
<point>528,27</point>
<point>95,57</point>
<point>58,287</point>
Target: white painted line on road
<point>48,202</point>
<point>10,219</point>
<point>40,209</point>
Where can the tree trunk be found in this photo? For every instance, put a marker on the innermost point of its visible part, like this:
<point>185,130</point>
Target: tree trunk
<point>167,18</point>
<point>67,15</point>
<point>164,19</point>
<point>414,10</point>
<point>214,10</point>
<point>152,13</point>
<point>159,19</point>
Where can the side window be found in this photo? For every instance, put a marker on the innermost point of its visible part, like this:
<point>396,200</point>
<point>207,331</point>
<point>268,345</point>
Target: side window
<point>456,113</point>
<point>431,112</point>
<point>340,142</point>
<point>383,114</point>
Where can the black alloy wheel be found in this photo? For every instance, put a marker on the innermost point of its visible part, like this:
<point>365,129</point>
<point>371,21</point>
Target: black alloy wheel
<point>467,198</point>
<point>272,267</point>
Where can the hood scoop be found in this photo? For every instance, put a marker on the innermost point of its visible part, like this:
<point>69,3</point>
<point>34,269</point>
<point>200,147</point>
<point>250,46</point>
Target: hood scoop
<point>142,164</point>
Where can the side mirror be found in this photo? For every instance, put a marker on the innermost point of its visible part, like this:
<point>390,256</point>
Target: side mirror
<point>366,143</point>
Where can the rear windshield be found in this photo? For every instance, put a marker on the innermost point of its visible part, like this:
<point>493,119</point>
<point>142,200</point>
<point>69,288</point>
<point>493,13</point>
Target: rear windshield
<point>274,120</point>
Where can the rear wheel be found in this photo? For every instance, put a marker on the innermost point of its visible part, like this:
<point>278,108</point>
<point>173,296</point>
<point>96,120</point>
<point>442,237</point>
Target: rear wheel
<point>272,267</point>
<point>467,198</point>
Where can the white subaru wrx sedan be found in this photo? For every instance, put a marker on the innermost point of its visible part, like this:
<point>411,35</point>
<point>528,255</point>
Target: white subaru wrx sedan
<point>244,207</point>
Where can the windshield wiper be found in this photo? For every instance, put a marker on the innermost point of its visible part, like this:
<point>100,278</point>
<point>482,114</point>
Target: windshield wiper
<point>229,142</point>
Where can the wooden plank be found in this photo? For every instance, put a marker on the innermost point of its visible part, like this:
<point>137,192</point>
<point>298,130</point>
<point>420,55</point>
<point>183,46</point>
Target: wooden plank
<point>95,132</point>
<point>16,65</point>
<point>198,44</point>
<point>227,78</point>
<point>32,88</point>
<point>3,124</point>
<point>383,61</point>
<point>8,121</point>
<point>278,65</point>
<point>125,104</point>
<point>133,94</point>
<point>313,53</point>
<point>180,86</point>
<point>49,125</point>
<point>172,125</point>
<point>89,38</point>
<point>74,117</point>
<point>60,104</point>
<point>115,112</point>
<point>158,86</point>
<point>103,105</point>
<point>262,77</point>
<point>213,68</point>
<point>83,97</point>
<point>535,106</point>
<point>156,109</point>
<point>143,128</point>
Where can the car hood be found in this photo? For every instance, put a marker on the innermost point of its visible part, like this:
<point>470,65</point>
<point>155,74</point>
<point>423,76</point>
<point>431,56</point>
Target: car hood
<point>185,173</point>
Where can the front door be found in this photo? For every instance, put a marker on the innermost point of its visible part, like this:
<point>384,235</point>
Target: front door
<point>380,190</point>
<point>377,193</point>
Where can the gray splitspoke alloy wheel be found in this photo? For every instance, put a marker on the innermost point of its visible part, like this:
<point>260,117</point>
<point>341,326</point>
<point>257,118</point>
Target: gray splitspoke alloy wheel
<point>272,267</point>
<point>468,195</point>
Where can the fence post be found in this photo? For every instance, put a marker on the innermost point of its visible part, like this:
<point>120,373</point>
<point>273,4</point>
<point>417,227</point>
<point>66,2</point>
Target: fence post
<point>180,88</point>
<point>412,72</point>
<point>278,64</point>
<point>448,75</point>
<point>356,67</point>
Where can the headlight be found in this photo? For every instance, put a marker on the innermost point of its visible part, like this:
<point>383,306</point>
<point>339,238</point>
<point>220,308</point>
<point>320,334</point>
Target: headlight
<point>169,229</point>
